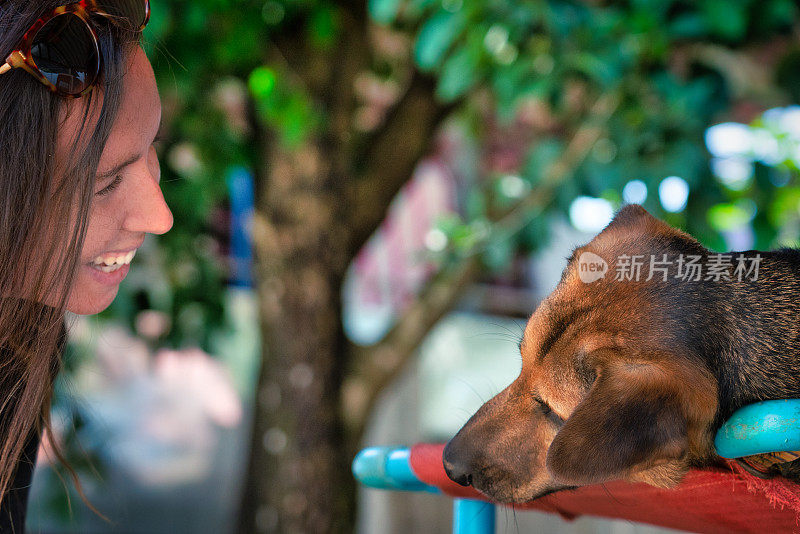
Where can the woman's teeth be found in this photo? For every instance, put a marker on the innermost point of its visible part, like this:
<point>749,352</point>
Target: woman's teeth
<point>109,264</point>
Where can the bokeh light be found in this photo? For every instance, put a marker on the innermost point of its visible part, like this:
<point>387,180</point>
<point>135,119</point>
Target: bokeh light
<point>673,192</point>
<point>729,139</point>
<point>589,214</point>
<point>635,192</point>
<point>735,172</point>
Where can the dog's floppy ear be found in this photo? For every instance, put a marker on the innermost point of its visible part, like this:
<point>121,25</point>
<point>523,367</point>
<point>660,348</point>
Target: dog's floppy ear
<point>631,420</point>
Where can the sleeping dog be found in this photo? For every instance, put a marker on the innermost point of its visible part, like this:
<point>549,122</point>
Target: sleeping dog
<point>647,345</point>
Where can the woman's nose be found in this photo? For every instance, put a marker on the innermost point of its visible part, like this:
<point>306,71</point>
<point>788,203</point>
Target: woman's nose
<point>148,211</point>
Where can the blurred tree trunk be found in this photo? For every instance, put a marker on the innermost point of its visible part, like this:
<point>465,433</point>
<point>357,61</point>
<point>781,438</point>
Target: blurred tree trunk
<point>296,480</point>
<point>316,205</point>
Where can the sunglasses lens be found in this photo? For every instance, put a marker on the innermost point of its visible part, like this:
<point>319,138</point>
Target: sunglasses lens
<point>66,53</point>
<point>134,12</point>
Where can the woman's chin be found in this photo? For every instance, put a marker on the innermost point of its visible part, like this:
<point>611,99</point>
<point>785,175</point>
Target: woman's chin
<point>81,305</point>
<point>92,295</point>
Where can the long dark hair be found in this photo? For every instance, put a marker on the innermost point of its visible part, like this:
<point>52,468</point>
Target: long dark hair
<point>45,199</point>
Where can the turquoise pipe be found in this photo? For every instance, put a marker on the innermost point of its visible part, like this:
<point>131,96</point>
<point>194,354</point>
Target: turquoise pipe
<point>473,517</point>
<point>390,468</point>
<point>387,468</point>
<point>768,426</point>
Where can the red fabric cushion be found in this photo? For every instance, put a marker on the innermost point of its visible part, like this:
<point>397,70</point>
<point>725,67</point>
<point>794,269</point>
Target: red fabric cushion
<point>708,500</point>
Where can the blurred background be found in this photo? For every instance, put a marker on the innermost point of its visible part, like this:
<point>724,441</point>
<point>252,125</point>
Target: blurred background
<point>370,199</point>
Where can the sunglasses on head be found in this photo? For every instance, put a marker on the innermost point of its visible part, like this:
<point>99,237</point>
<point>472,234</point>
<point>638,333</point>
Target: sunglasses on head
<point>61,49</point>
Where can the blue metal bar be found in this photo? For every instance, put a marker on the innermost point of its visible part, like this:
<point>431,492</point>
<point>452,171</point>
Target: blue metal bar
<point>241,192</point>
<point>768,426</point>
<point>388,468</point>
<point>473,517</point>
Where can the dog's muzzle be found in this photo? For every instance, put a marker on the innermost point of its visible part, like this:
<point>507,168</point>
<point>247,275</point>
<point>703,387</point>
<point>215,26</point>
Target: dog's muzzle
<point>458,470</point>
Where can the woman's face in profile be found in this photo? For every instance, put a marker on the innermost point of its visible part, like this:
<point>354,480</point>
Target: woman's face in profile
<point>127,202</point>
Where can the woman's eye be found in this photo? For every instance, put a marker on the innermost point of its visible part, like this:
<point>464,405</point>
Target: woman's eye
<point>110,187</point>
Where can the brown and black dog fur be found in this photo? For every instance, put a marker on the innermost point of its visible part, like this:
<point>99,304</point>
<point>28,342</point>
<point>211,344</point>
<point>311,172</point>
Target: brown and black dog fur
<point>631,379</point>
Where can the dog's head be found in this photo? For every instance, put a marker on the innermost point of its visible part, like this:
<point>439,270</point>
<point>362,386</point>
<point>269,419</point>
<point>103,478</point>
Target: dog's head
<point>611,386</point>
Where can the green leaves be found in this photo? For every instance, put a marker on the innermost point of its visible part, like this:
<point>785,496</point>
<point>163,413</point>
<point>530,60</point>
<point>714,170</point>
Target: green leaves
<point>727,19</point>
<point>383,11</point>
<point>436,37</point>
<point>282,106</point>
<point>323,26</point>
<point>729,216</point>
<point>459,74</point>
<point>541,157</point>
<point>594,67</point>
<point>262,83</point>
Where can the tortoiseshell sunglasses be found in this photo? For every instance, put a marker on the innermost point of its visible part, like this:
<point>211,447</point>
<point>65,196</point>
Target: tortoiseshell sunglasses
<point>61,49</point>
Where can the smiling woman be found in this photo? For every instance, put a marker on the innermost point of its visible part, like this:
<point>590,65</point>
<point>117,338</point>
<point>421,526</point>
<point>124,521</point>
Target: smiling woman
<point>127,202</point>
<point>79,190</point>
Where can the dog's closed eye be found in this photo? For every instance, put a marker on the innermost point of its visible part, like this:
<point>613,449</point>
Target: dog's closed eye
<point>548,412</point>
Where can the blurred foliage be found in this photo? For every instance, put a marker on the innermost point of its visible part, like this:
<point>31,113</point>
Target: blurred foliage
<point>677,66</point>
<point>523,75</point>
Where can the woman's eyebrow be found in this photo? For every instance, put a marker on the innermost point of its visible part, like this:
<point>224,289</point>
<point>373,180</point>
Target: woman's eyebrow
<point>116,170</point>
<point>132,159</point>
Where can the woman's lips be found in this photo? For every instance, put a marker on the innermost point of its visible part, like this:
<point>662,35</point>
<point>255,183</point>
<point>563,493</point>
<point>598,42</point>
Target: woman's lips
<point>110,268</point>
<point>111,278</point>
<point>114,258</point>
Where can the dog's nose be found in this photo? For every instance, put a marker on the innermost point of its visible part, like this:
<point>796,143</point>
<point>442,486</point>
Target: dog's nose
<point>459,477</point>
<point>458,471</point>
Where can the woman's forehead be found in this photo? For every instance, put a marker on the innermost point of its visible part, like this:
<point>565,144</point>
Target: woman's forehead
<point>140,109</point>
<point>138,117</point>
